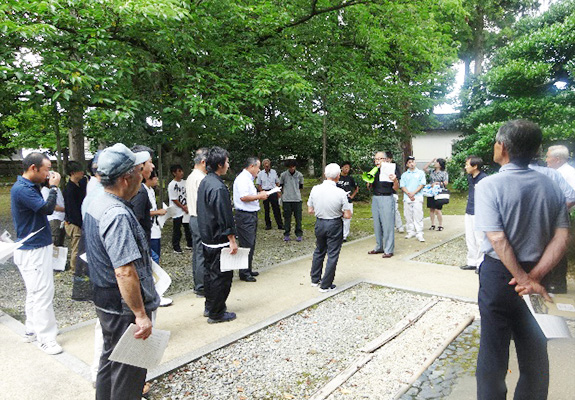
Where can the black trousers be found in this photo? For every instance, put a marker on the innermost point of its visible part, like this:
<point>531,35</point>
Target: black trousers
<point>505,315</point>
<point>198,270</point>
<point>329,237</point>
<point>273,200</point>
<point>246,228</point>
<point>292,207</point>
<point>217,284</point>
<point>557,278</point>
<point>117,381</point>
<point>177,234</point>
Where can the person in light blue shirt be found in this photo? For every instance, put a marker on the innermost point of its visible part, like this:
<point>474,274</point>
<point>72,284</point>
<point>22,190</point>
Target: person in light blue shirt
<point>411,183</point>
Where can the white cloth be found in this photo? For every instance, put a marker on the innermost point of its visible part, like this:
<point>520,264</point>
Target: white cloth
<point>192,185</point>
<point>473,239</point>
<point>93,183</point>
<point>36,269</point>
<point>177,191</point>
<point>59,215</point>
<point>244,186</point>
<point>413,213</point>
<point>347,223</point>
<point>156,232</point>
<point>328,201</point>
<point>568,173</point>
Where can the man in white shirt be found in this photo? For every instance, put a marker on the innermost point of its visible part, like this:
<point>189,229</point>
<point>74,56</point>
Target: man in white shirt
<point>247,205</point>
<point>557,157</point>
<point>329,204</point>
<point>192,184</point>
<point>177,195</point>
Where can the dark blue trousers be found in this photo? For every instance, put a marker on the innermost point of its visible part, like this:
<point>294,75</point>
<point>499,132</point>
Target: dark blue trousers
<point>329,237</point>
<point>246,228</point>
<point>504,315</point>
<point>217,284</point>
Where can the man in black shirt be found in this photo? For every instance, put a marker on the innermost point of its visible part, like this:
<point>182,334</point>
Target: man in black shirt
<point>74,194</point>
<point>217,230</point>
<point>347,183</point>
<point>383,208</point>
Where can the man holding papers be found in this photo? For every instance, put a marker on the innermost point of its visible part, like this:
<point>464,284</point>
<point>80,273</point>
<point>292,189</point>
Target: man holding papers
<point>383,205</point>
<point>247,205</point>
<point>217,230</point>
<point>34,257</point>
<point>524,217</point>
<point>267,180</point>
<point>120,268</point>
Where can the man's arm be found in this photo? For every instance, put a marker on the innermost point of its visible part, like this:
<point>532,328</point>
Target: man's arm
<point>233,244</point>
<point>506,254</point>
<point>129,285</point>
<point>553,253</point>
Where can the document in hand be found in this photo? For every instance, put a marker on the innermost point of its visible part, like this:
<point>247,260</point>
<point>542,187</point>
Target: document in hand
<point>386,170</point>
<point>7,247</point>
<point>138,352</point>
<point>546,315</point>
<point>274,190</point>
<point>230,262</point>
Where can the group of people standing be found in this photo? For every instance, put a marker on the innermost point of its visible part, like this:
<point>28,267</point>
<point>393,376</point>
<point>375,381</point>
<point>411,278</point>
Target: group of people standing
<point>515,249</point>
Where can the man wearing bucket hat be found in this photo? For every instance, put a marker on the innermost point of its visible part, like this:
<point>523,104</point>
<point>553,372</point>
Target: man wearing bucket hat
<point>120,268</point>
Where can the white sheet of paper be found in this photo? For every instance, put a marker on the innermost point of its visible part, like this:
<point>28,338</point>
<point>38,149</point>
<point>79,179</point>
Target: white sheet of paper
<point>162,280</point>
<point>7,249</point>
<point>274,190</point>
<point>141,353</point>
<point>163,218</point>
<point>553,326</point>
<point>565,307</point>
<point>230,262</point>
<point>386,170</point>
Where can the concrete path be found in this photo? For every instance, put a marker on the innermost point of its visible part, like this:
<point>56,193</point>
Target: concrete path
<point>281,290</point>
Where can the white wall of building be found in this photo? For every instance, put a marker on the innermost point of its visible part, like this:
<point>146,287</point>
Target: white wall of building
<point>433,144</point>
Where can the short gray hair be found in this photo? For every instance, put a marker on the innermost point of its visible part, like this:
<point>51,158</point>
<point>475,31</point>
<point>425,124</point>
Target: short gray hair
<point>201,155</point>
<point>332,171</point>
<point>251,161</point>
<point>559,151</point>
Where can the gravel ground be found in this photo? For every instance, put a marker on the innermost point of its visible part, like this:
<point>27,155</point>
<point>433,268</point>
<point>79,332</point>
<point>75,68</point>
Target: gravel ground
<point>298,355</point>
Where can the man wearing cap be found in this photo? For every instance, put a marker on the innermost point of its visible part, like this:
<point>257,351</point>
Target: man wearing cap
<point>120,268</point>
<point>34,258</point>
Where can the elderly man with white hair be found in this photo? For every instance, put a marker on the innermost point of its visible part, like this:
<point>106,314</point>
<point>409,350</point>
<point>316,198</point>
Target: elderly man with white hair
<point>329,204</point>
<point>557,157</point>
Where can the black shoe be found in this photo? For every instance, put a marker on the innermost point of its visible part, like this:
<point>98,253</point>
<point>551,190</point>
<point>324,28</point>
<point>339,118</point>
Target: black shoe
<point>254,273</point>
<point>179,251</point>
<point>268,228</point>
<point>227,317</point>
<point>468,267</point>
<point>248,279</point>
<point>200,293</point>
<point>207,313</point>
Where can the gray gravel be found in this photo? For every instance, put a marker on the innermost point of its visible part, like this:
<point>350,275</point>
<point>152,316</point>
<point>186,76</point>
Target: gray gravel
<point>296,356</point>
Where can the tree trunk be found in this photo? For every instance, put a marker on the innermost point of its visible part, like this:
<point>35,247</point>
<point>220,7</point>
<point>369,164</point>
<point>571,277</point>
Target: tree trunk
<point>76,133</point>
<point>479,43</point>
<point>324,143</point>
<point>60,159</point>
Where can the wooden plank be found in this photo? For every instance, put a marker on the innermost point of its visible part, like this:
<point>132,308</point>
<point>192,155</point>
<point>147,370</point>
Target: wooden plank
<point>398,328</point>
<point>436,354</point>
<point>343,376</point>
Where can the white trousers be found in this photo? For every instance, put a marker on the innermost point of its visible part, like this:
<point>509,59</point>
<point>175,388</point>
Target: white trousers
<point>36,269</point>
<point>473,239</point>
<point>413,213</point>
<point>398,221</point>
<point>347,223</point>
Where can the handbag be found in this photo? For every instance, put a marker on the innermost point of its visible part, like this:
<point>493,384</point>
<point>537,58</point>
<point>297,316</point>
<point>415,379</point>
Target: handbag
<point>442,197</point>
<point>429,190</point>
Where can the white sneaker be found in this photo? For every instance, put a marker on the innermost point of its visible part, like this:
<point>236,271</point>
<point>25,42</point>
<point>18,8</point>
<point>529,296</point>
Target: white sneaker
<point>410,235</point>
<point>51,348</point>
<point>420,238</point>
<point>401,230</point>
<point>315,284</point>
<point>29,337</point>
<point>165,301</point>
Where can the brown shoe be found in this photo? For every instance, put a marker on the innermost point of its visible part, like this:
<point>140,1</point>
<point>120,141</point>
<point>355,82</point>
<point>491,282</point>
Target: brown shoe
<point>375,252</point>
<point>387,255</point>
